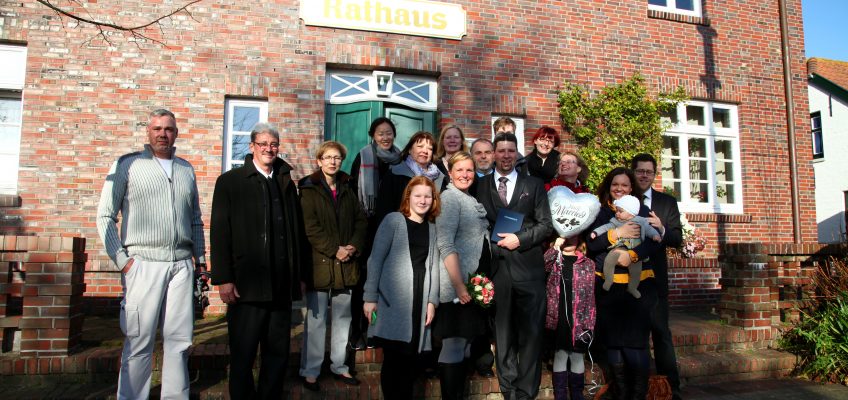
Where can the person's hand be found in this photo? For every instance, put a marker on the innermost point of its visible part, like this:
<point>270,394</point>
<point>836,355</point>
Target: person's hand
<point>657,238</point>
<point>462,294</point>
<point>350,250</point>
<point>368,308</point>
<point>508,241</point>
<point>630,230</point>
<point>199,270</point>
<point>431,313</point>
<point>342,254</point>
<point>558,242</point>
<point>228,292</point>
<point>654,220</point>
<point>624,259</point>
<point>127,266</point>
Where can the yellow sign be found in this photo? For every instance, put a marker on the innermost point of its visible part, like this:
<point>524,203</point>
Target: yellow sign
<point>408,17</point>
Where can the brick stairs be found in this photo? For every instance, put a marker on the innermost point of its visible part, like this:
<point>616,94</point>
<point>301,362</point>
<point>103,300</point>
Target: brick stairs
<point>708,352</point>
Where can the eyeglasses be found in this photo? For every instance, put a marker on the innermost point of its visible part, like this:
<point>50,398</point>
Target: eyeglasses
<point>645,172</point>
<point>545,140</point>
<point>332,158</point>
<point>273,145</point>
<point>567,162</point>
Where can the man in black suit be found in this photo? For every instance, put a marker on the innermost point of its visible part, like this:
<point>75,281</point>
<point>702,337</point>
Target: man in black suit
<point>665,216</point>
<point>518,270</point>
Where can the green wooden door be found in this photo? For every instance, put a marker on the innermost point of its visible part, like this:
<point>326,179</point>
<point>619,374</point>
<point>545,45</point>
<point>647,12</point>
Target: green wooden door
<point>348,124</point>
<point>408,121</point>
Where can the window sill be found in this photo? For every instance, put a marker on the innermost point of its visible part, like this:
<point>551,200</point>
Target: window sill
<point>719,218</point>
<point>670,16</point>
<point>10,201</point>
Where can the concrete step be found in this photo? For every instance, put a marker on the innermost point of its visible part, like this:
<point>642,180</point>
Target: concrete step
<point>729,366</point>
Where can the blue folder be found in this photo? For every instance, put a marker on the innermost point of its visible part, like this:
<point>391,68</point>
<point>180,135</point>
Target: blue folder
<point>508,222</point>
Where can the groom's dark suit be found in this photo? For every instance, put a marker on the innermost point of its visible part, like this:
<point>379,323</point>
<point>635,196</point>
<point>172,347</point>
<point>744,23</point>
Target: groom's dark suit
<point>519,279</point>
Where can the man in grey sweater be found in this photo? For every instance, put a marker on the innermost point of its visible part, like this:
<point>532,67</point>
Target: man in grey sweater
<point>161,231</point>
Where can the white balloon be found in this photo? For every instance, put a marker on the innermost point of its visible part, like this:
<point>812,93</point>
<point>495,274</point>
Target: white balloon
<point>572,213</point>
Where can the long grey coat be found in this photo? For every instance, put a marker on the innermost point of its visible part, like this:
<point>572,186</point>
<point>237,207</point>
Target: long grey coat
<point>461,228</point>
<point>389,282</point>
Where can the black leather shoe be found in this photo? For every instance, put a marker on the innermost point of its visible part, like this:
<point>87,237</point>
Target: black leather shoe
<point>486,372</point>
<point>312,386</point>
<point>357,345</point>
<point>347,380</point>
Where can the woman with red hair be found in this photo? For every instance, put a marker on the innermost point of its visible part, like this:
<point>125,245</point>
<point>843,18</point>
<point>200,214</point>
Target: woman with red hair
<point>542,161</point>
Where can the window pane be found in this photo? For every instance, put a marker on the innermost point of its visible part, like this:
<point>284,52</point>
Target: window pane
<point>658,2</point>
<point>685,5</point>
<point>695,115</point>
<point>669,116</point>
<point>721,118</point>
<point>699,192</point>
<point>725,193</point>
<point>697,147</point>
<point>10,111</point>
<point>244,118</point>
<point>673,190</point>
<point>723,149</point>
<point>816,121</point>
<point>698,170</point>
<point>724,171</point>
<point>671,146</point>
<point>670,169</point>
<point>10,137</point>
<point>818,144</point>
<point>241,147</point>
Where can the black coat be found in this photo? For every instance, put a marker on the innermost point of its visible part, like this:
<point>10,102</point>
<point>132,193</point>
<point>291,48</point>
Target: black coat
<point>665,207</point>
<point>544,170</point>
<point>241,226</point>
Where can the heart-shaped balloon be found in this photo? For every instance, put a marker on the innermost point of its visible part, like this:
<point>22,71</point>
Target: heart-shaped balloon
<point>572,213</point>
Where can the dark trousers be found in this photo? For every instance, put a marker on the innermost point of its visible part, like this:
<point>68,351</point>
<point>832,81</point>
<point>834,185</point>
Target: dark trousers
<point>398,373</point>
<point>664,356</point>
<point>264,327</point>
<point>519,319</point>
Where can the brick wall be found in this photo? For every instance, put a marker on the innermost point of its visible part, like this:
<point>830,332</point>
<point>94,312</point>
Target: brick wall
<point>86,99</point>
<point>694,283</point>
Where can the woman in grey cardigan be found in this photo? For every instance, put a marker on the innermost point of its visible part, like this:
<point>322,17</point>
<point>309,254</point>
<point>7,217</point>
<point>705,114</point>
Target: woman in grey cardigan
<point>461,235</point>
<point>402,288</point>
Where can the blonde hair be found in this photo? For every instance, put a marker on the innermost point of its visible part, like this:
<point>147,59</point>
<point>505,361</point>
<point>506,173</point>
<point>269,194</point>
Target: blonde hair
<point>330,144</point>
<point>440,151</point>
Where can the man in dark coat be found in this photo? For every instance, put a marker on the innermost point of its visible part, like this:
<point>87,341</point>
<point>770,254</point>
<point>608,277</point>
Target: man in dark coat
<point>665,216</point>
<point>257,240</point>
<point>518,271</point>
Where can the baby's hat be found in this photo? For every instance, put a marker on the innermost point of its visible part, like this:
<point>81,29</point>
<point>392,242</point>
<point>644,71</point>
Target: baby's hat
<point>628,203</point>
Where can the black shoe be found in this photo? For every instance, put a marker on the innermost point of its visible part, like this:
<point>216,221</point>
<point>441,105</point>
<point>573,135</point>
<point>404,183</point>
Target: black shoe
<point>312,386</point>
<point>486,372</point>
<point>358,344</point>
<point>347,380</point>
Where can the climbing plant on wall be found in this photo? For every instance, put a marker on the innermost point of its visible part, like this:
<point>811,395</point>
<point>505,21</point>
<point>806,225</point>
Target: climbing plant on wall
<point>620,121</point>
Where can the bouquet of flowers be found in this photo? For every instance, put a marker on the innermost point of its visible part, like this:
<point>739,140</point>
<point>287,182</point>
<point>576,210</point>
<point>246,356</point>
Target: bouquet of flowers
<point>692,241</point>
<point>481,289</point>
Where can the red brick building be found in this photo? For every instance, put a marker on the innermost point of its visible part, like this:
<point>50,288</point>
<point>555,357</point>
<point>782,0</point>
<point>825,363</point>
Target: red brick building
<point>78,101</point>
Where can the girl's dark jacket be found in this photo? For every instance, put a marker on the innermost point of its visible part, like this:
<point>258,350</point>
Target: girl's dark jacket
<point>241,228</point>
<point>330,223</point>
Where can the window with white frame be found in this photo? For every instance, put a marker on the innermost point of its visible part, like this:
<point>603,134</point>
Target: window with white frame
<point>239,118</point>
<point>683,7</point>
<point>700,158</point>
<point>816,129</point>
<point>344,87</point>
<point>12,72</point>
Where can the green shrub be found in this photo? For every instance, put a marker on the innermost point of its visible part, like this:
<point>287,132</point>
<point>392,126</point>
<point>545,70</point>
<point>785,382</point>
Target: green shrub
<point>618,123</point>
<point>820,337</point>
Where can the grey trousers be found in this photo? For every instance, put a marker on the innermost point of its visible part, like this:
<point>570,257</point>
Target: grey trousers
<point>154,291</point>
<point>315,331</point>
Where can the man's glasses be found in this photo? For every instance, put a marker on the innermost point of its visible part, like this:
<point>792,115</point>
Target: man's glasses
<point>645,172</point>
<point>273,145</point>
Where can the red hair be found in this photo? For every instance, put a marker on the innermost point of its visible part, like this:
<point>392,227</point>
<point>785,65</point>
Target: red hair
<point>547,131</point>
<point>435,208</point>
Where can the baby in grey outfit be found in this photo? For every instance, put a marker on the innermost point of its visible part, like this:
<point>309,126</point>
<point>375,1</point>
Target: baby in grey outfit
<point>626,210</point>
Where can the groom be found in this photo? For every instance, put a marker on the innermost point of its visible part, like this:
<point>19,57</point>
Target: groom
<point>518,270</point>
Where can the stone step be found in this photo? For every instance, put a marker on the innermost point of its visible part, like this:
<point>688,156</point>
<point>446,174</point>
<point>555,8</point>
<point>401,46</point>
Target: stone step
<point>731,366</point>
<point>695,332</point>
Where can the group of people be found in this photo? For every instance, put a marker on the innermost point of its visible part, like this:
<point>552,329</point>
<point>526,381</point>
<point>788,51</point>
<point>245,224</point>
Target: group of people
<point>384,254</point>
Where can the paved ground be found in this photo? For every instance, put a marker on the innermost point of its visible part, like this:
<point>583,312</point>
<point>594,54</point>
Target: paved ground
<point>773,389</point>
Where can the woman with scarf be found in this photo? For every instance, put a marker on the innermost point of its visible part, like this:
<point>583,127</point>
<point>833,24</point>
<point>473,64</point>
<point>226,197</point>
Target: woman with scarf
<point>367,171</point>
<point>417,158</point>
<point>451,141</point>
<point>572,173</point>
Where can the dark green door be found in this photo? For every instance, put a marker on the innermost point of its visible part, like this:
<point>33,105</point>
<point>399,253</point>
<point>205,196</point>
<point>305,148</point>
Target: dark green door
<point>408,121</point>
<point>348,124</point>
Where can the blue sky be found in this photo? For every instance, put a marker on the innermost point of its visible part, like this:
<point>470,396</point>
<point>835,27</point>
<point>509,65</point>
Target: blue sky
<point>826,28</point>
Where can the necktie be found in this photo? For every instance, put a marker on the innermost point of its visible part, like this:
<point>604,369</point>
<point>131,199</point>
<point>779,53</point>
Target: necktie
<point>502,189</point>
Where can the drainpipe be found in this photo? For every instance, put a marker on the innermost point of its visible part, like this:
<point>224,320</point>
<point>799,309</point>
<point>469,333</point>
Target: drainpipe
<point>790,123</point>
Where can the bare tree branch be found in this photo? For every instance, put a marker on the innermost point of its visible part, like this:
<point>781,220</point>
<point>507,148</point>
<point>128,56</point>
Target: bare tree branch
<point>135,32</point>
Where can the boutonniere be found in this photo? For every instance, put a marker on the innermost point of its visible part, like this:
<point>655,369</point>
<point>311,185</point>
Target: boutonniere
<point>523,195</point>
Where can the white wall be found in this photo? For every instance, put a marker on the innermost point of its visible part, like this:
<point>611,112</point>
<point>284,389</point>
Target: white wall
<point>831,170</point>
